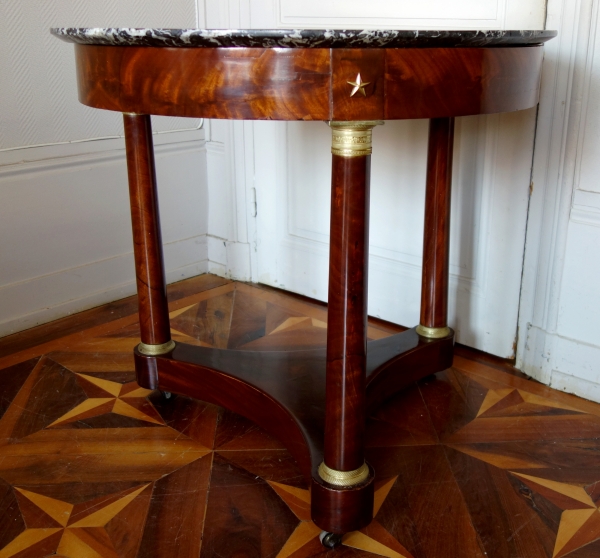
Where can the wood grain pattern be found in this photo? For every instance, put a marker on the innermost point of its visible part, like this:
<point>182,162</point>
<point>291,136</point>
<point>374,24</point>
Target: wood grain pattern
<point>169,514</point>
<point>239,83</point>
<point>147,239</point>
<point>474,461</point>
<point>436,239</point>
<point>436,83</point>
<point>342,511</point>
<point>308,84</point>
<point>245,517</point>
<point>347,313</point>
<point>283,393</point>
<point>396,361</point>
<point>249,383</point>
<point>346,64</point>
<point>97,316</point>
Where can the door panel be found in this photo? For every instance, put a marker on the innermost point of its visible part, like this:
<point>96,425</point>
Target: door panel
<point>491,182</point>
<point>489,208</point>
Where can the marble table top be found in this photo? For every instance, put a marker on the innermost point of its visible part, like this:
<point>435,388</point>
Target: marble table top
<point>299,38</point>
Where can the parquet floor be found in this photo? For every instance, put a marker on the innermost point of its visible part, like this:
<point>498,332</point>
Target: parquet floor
<point>478,462</point>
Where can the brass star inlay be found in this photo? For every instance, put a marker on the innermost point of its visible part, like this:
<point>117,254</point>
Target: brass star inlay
<point>374,538</point>
<point>358,86</point>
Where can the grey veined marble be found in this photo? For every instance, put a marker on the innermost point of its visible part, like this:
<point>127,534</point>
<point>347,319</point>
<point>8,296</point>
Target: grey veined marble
<point>298,38</point>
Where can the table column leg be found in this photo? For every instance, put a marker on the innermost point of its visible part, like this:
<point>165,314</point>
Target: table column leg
<point>434,287</point>
<point>147,242</point>
<point>344,465</point>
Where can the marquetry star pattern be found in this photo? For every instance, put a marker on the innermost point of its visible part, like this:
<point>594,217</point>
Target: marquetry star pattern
<point>580,519</point>
<point>105,396</point>
<point>71,491</point>
<point>374,538</point>
<point>358,86</point>
<point>499,401</point>
<point>56,526</point>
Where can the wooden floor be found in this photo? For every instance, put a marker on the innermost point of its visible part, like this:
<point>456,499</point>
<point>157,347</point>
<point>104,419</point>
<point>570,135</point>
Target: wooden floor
<point>478,462</point>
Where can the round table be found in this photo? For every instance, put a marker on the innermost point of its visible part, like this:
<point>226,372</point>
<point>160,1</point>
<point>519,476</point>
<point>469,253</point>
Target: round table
<point>314,401</point>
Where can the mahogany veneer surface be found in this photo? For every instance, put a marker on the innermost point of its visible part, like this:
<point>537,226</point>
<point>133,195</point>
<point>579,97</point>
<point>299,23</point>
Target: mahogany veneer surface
<point>308,83</point>
<point>474,462</point>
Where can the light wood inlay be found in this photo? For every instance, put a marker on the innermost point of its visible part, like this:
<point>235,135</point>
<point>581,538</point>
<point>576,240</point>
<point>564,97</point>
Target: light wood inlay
<point>131,473</point>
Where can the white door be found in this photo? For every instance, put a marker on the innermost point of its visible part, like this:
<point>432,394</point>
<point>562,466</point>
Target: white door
<point>491,184</point>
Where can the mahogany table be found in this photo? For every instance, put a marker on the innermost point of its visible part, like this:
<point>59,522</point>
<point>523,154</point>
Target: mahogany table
<point>314,401</point>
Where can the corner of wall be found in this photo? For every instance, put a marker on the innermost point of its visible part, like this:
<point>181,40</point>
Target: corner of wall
<point>561,363</point>
<point>231,219</point>
<point>544,351</point>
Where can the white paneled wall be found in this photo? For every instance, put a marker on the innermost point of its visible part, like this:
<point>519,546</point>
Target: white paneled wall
<point>489,211</point>
<point>559,340</point>
<point>408,14</point>
<point>38,96</point>
<point>64,218</point>
<point>231,172</point>
<point>283,170</point>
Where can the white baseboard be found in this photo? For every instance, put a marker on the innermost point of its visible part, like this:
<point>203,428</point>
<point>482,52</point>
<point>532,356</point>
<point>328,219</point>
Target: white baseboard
<point>229,259</point>
<point>573,384</point>
<point>66,229</point>
<point>562,363</point>
<point>43,299</point>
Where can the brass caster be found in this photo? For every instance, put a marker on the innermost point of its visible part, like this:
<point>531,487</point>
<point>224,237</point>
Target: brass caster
<point>330,540</point>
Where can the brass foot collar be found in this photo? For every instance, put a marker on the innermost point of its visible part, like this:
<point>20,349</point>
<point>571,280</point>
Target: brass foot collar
<point>433,332</point>
<point>154,350</point>
<point>353,139</point>
<point>344,478</point>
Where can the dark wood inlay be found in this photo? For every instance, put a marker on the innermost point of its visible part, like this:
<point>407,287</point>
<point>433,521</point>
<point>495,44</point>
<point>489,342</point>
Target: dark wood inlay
<point>471,461</point>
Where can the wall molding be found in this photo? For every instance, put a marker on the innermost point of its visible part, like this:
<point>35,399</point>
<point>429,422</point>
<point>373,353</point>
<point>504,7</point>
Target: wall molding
<point>55,154</point>
<point>499,14</point>
<point>60,164</point>
<point>49,297</point>
<point>558,357</point>
<point>231,218</point>
<point>585,56</point>
<point>38,98</point>
<point>555,202</point>
<point>586,208</point>
<point>489,214</point>
<point>404,262</point>
<point>409,15</point>
<point>250,155</point>
<point>62,280</point>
